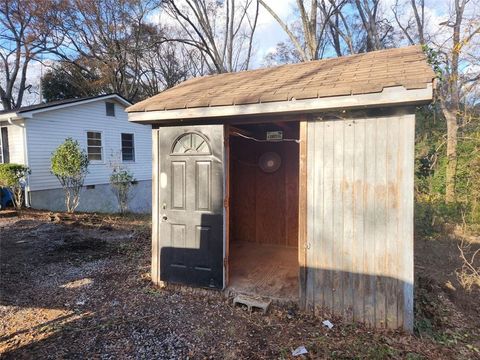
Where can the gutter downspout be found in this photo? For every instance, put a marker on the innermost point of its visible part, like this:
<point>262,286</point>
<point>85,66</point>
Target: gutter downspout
<point>25,158</point>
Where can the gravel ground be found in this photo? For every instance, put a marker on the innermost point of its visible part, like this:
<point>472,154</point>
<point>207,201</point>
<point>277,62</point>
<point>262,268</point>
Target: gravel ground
<point>79,288</point>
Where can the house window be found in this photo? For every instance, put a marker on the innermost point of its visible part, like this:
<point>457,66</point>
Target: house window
<point>128,147</point>
<point>94,146</point>
<point>4,151</point>
<point>110,108</point>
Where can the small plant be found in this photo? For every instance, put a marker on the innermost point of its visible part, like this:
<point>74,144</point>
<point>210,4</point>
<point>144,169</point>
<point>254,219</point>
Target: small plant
<point>469,274</point>
<point>13,177</point>
<point>122,182</point>
<point>69,163</point>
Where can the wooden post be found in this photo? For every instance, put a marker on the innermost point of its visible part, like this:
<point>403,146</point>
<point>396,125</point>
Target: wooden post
<point>155,273</point>
<point>302,214</point>
<point>226,204</point>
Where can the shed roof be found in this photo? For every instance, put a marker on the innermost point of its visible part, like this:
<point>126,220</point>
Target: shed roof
<point>364,73</point>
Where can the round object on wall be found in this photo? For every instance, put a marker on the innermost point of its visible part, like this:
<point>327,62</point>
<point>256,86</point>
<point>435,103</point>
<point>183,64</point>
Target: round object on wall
<point>270,162</point>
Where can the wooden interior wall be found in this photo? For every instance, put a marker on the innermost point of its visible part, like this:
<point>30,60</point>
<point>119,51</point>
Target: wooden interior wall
<point>263,206</point>
<point>360,218</point>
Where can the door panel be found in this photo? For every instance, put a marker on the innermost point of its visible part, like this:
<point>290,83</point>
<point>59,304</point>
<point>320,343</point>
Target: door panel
<point>191,205</point>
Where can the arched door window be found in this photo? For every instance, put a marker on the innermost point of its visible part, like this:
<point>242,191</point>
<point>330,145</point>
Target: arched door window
<point>191,144</point>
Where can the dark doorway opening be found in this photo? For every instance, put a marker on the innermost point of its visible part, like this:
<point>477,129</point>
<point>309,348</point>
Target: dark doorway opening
<point>263,210</point>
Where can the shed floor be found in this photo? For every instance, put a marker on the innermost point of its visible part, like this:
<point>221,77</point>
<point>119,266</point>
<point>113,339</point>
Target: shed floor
<point>265,270</point>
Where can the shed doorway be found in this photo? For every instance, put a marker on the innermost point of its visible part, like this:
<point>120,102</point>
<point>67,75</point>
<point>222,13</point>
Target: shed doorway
<point>263,186</point>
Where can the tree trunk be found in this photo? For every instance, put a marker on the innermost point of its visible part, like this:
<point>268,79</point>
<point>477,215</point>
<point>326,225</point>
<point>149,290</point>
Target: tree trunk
<point>451,171</point>
<point>452,106</point>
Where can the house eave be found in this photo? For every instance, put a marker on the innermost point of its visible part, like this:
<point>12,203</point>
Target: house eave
<point>391,96</point>
<point>29,114</point>
<point>18,115</point>
<point>11,116</point>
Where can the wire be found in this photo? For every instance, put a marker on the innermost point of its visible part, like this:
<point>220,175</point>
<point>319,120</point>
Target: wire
<point>259,140</point>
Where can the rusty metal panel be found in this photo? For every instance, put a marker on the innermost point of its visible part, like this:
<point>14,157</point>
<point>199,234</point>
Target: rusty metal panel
<point>360,218</point>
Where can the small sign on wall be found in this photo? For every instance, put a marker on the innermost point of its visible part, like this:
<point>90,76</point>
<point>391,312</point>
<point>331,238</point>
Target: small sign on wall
<point>274,135</point>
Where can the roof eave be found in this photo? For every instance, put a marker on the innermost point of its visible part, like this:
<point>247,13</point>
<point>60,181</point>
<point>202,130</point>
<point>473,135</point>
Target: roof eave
<point>391,96</point>
<point>10,116</point>
<point>29,113</point>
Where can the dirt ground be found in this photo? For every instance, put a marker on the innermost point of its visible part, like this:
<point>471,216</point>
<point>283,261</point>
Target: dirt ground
<point>80,289</point>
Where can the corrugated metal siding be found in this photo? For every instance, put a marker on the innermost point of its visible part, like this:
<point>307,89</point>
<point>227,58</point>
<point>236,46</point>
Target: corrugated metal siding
<point>360,219</point>
<point>15,141</point>
<point>46,131</point>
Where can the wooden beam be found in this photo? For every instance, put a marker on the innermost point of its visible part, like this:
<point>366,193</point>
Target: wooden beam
<point>226,203</point>
<point>302,214</point>
<point>155,265</point>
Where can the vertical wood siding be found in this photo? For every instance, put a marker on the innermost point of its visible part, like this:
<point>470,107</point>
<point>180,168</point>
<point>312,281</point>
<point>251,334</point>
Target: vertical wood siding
<point>360,219</point>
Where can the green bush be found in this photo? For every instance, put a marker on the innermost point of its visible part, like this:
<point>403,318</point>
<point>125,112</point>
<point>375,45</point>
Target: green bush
<point>430,173</point>
<point>13,177</point>
<point>69,163</point>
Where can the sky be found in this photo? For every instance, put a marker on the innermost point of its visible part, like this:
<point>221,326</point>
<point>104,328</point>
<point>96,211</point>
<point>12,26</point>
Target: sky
<point>269,33</point>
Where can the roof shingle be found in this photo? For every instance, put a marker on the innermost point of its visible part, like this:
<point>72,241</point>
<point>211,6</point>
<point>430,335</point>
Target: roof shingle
<point>349,75</point>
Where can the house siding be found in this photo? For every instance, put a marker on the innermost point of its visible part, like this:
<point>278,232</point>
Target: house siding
<point>359,257</point>
<point>47,130</point>
<point>15,141</point>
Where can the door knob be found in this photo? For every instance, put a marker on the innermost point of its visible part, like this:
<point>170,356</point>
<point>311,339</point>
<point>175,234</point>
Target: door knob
<point>164,218</point>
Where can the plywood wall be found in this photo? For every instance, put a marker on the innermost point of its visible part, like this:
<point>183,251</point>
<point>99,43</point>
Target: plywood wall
<point>359,257</point>
<point>264,207</point>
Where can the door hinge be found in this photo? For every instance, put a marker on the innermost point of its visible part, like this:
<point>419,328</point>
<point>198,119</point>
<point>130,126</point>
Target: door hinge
<point>226,203</point>
<point>225,262</point>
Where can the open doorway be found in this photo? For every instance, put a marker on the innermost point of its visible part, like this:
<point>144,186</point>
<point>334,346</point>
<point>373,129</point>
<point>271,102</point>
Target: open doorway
<point>263,209</point>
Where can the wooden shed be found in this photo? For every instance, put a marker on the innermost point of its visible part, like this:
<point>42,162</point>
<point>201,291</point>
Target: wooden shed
<point>292,182</point>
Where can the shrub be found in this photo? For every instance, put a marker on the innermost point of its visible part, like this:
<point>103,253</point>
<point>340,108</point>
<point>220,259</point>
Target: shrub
<point>69,163</point>
<point>13,177</point>
<point>122,182</point>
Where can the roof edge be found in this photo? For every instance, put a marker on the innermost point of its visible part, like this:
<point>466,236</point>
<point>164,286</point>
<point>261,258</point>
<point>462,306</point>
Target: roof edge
<point>18,114</point>
<point>397,95</point>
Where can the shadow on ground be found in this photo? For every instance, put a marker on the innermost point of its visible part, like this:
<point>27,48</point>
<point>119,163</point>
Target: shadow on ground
<point>81,290</point>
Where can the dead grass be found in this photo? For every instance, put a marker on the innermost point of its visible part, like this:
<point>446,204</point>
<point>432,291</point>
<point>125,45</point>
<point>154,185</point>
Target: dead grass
<point>79,288</point>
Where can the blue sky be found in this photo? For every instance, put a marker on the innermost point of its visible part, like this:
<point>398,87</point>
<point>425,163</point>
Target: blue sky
<point>269,33</point>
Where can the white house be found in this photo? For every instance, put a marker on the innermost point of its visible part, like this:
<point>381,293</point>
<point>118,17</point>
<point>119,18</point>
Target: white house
<point>30,134</point>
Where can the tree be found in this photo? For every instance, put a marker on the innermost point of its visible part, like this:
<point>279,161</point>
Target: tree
<point>13,177</point>
<point>221,30</point>
<point>165,64</point>
<point>67,81</point>
<point>24,30</point>
<point>284,53</point>
<point>308,40</point>
<point>376,30</point>
<point>106,39</point>
<point>339,26</point>
<point>454,54</point>
<point>454,87</point>
<point>69,163</point>
<point>344,26</point>
<point>414,27</point>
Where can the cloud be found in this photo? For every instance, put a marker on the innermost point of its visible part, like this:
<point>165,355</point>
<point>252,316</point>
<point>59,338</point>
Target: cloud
<point>269,33</point>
